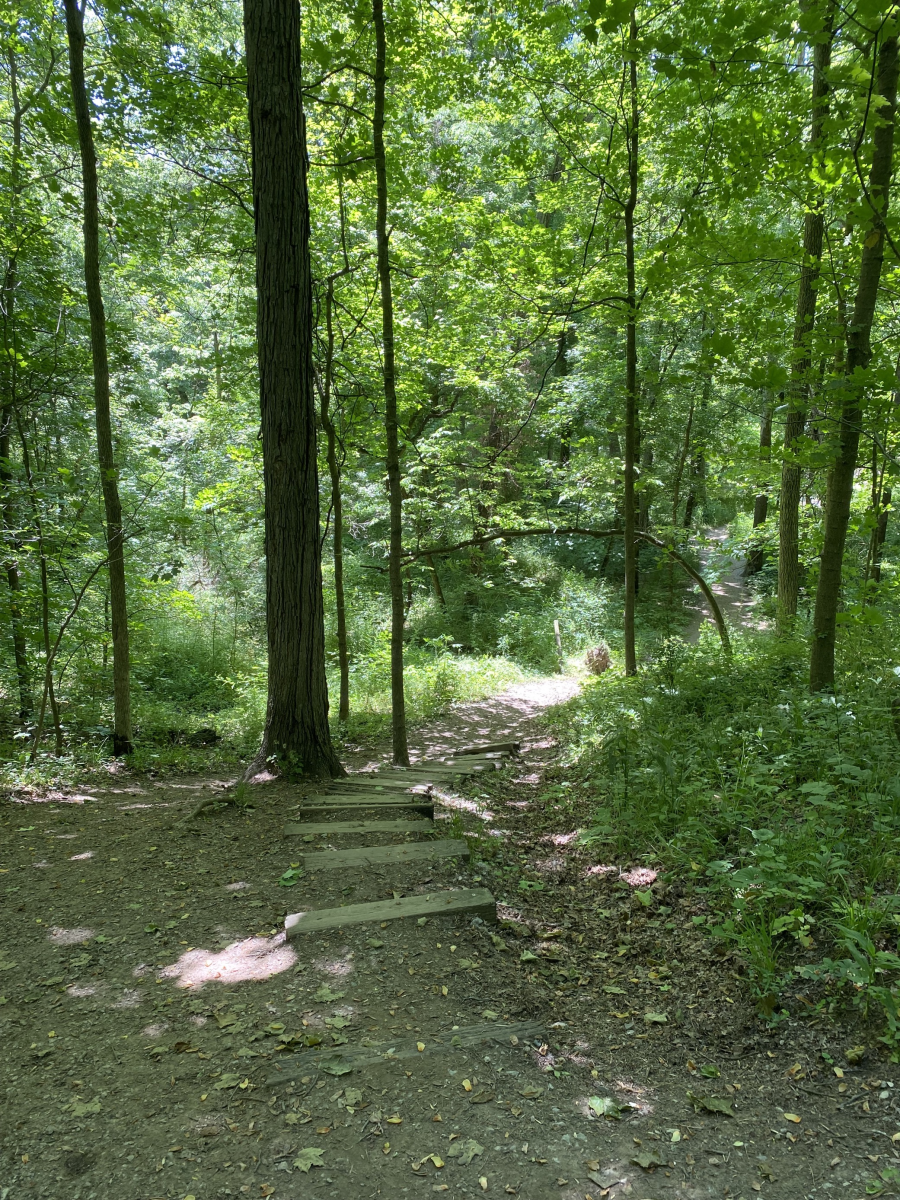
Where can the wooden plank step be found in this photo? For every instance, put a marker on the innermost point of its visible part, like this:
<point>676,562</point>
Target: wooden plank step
<point>491,748</point>
<point>475,901</point>
<point>401,852</point>
<point>424,806</point>
<point>304,1062</point>
<point>298,830</point>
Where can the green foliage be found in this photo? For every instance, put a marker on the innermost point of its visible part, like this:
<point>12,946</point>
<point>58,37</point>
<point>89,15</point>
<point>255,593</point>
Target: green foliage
<point>783,807</point>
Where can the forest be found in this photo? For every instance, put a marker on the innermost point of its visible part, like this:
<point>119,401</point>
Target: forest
<point>363,362</point>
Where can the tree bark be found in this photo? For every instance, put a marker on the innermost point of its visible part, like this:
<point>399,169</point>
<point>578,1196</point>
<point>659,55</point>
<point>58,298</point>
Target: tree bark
<point>8,407</point>
<point>801,363</point>
<point>337,511</point>
<point>761,504</point>
<point>395,552</point>
<point>296,739</point>
<point>109,472</point>
<point>859,354</point>
<point>631,400</point>
<point>879,533</point>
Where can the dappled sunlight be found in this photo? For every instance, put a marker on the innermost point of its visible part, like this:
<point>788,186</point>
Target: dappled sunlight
<point>470,806</point>
<point>601,869</point>
<point>69,937</point>
<point>550,866</point>
<point>338,967</point>
<point>254,958</point>
<point>154,1031</point>
<point>560,839</point>
<point>237,887</point>
<point>132,807</point>
<point>81,857</point>
<point>79,992</point>
<point>639,876</point>
<point>130,998</point>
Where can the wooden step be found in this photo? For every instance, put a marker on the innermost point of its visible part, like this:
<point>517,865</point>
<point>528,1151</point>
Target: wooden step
<point>477,902</point>
<point>299,830</point>
<point>305,1062</point>
<point>425,806</point>
<point>401,852</point>
<point>491,748</point>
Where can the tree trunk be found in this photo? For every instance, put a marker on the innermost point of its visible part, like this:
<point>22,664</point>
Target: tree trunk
<point>395,565</point>
<point>337,511</point>
<point>8,407</point>
<point>761,505</point>
<point>436,582</point>
<point>682,459</point>
<point>109,472</point>
<point>879,533</point>
<point>296,736</point>
<point>801,363</point>
<point>859,354</point>
<point>631,415</point>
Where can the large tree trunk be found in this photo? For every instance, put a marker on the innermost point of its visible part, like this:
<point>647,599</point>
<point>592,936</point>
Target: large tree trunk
<point>801,364</point>
<point>395,552</point>
<point>8,404</point>
<point>761,504</point>
<point>109,472</point>
<point>296,737</point>
<point>631,414</point>
<point>859,354</point>
<point>337,511</point>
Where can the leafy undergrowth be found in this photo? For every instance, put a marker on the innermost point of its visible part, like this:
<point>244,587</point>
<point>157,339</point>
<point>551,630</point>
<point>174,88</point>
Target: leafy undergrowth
<point>782,807</point>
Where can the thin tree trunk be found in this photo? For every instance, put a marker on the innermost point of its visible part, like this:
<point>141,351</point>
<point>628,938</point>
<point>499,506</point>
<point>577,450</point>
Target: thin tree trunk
<point>297,737</point>
<point>8,407</point>
<point>879,533</point>
<point>761,505</point>
<point>337,511</point>
<point>436,581</point>
<point>109,472</point>
<point>801,363</point>
<point>49,695</point>
<point>631,415</point>
<point>859,354</point>
<point>395,565</point>
<point>682,459</point>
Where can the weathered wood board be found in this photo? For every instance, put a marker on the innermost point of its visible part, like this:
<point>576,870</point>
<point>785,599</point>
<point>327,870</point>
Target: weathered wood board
<point>296,829</point>
<point>425,806</point>
<point>476,902</point>
<point>341,1060</point>
<point>401,852</point>
<point>491,748</point>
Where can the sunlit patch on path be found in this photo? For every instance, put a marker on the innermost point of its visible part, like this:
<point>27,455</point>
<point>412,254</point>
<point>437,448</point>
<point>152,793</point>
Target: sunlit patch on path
<point>254,958</point>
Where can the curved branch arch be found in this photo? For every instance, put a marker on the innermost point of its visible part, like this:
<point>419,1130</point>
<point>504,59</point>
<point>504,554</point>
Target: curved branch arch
<point>577,531</point>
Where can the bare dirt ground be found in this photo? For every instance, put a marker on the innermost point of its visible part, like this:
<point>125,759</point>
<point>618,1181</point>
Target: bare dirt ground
<point>161,1040</point>
<point>729,574</point>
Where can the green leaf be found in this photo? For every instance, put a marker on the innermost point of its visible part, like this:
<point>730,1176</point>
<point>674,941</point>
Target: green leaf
<point>312,1156</point>
<point>711,1104</point>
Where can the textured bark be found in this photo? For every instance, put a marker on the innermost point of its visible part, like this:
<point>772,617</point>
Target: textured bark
<point>8,403</point>
<point>879,533</point>
<point>798,391</point>
<point>109,472</point>
<point>395,553</point>
<point>631,399</point>
<point>682,459</point>
<point>761,504</point>
<point>296,738</point>
<point>859,354</point>
<point>337,511</point>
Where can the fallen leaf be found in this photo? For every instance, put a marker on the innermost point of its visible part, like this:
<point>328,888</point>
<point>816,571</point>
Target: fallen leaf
<point>310,1157</point>
<point>335,1066</point>
<point>227,1081</point>
<point>324,993</point>
<point>467,1085</point>
<point>395,1120</point>
<point>482,1183</point>
<point>465,1150</point>
<point>80,1108</point>
<point>648,1159</point>
<point>792,1117</point>
<point>420,1046</point>
<point>482,1097</point>
<point>710,1071</point>
<point>375,943</point>
<point>655,1018</point>
<point>603,1106</point>
<point>335,1022</point>
<point>711,1104</point>
<point>490,1015</point>
<point>611,990</point>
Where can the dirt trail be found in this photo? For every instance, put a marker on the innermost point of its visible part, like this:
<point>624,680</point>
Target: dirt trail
<point>737,603</point>
<point>161,1039</point>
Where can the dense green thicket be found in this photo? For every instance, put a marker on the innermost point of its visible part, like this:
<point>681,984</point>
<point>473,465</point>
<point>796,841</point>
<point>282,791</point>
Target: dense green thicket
<point>783,807</point>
